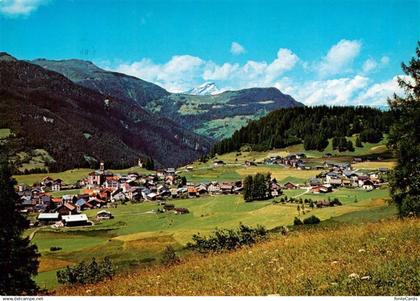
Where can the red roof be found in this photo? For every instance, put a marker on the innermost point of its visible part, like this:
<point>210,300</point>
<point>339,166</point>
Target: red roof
<point>192,190</point>
<point>69,206</point>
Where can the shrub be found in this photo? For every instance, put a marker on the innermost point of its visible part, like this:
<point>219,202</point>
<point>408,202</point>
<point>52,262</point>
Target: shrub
<point>228,239</point>
<point>311,220</point>
<point>336,201</point>
<point>169,256</point>
<point>297,221</point>
<point>83,272</point>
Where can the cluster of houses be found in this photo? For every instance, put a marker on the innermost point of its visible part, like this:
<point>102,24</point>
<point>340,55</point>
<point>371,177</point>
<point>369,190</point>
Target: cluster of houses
<point>101,189</point>
<point>342,175</point>
<point>291,160</point>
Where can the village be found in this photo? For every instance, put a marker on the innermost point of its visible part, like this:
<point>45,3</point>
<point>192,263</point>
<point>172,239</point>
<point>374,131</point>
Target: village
<point>103,189</point>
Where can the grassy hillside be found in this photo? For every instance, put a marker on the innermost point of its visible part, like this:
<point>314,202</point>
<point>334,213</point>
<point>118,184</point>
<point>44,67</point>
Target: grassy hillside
<point>138,234</point>
<point>73,175</point>
<point>346,260</point>
<point>235,169</point>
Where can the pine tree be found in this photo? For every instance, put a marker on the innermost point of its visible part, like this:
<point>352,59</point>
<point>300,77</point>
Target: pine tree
<point>404,140</point>
<point>18,258</point>
<point>248,188</point>
<point>149,164</point>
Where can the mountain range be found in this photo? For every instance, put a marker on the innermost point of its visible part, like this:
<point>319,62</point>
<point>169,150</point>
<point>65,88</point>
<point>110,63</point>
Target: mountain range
<point>214,116</point>
<point>79,114</point>
<point>78,126</point>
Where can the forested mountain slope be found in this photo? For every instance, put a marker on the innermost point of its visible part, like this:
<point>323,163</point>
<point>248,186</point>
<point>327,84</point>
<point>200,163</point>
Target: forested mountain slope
<point>78,126</point>
<point>311,125</point>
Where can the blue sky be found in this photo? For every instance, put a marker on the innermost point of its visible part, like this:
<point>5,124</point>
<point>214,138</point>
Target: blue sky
<point>341,52</point>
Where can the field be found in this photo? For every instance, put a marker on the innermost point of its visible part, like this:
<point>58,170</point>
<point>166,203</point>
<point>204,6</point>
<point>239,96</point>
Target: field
<point>368,259</point>
<point>235,170</point>
<point>367,149</point>
<point>70,176</point>
<point>137,235</point>
<point>4,133</point>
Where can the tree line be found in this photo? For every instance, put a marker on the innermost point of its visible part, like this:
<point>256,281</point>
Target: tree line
<point>312,126</point>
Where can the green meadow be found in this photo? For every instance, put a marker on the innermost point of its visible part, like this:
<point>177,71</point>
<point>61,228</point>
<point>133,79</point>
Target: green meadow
<point>137,235</point>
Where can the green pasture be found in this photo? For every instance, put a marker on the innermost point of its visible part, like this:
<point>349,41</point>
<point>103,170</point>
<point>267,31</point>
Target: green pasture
<point>137,235</point>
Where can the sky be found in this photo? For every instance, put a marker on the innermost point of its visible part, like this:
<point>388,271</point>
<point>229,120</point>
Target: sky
<point>320,52</point>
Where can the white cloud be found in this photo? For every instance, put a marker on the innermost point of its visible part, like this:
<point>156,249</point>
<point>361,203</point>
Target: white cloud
<point>237,49</point>
<point>252,73</point>
<point>285,60</point>
<point>339,58</point>
<point>182,72</point>
<point>378,93</point>
<point>338,91</point>
<point>385,60</point>
<point>371,64</point>
<point>19,7</point>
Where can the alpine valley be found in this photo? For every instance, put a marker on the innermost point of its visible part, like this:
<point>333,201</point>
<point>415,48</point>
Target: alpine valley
<point>70,113</point>
<point>211,115</point>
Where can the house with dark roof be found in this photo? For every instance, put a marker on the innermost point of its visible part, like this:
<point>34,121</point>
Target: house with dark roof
<point>66,209</point>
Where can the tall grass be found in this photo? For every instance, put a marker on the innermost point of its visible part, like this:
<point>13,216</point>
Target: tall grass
<point>379,258</point>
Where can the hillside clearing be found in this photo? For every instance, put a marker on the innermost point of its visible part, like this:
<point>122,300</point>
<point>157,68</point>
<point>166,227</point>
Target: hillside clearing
<point>5,133</point>
<point>345,260</point>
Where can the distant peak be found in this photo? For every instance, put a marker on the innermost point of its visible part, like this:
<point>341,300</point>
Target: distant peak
<point>208,88</point>
<point>4,56</point>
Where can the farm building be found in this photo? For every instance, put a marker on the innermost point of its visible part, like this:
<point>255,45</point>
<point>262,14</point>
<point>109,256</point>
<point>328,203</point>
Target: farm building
<point>104,214</point>
<point>290,185</point>
<point>48,217</point>
<point>75,220</point>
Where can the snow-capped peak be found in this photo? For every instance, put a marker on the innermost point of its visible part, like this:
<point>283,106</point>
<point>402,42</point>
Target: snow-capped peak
<point>204,89</point>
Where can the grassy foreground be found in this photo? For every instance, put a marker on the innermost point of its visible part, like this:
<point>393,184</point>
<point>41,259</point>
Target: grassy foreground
<point>370,259</point>
<point>137,235</point>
